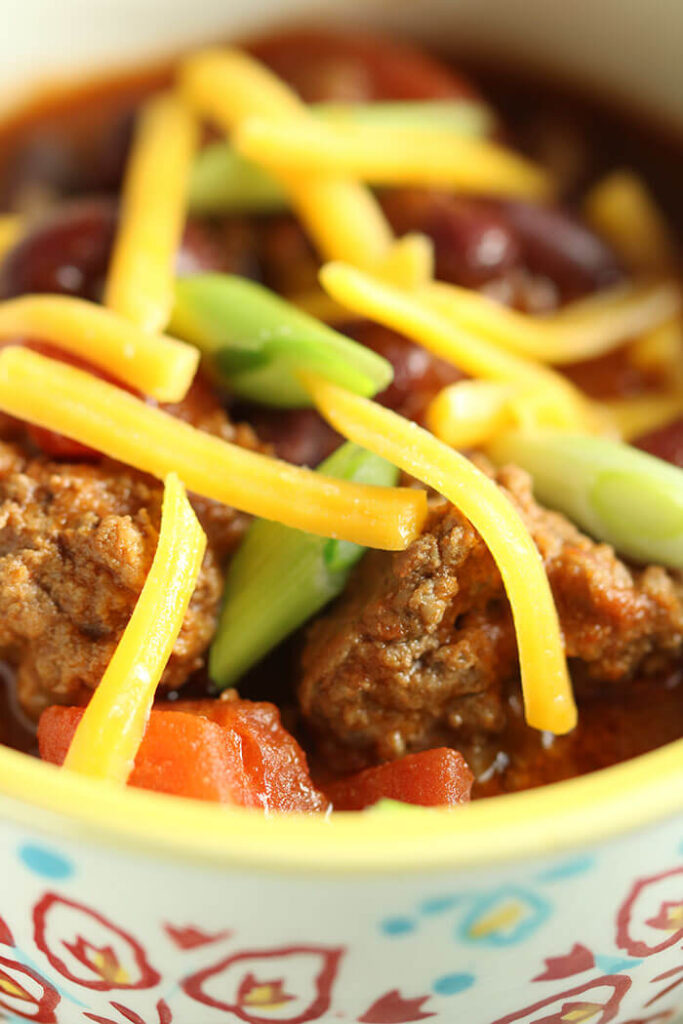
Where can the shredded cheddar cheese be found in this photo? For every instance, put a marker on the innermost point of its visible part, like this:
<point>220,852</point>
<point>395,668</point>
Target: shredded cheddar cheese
<point>342,216</point>
<point>411,316</point>
<point>621,209</point>
<point>582,330</point>
<point>58,397</point>
<point>159,366</point>
<point>548,699</point>
<point>112,727</point>
<point>389,155</point>
<point>470,413</point>
<point>141,274</point>
<point>11,230</point>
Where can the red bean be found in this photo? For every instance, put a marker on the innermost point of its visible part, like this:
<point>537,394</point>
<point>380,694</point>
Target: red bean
<point>66,253</point>
<point>418,375</point>
<point>666,443</point>
<point>337,66</point>
<point>555,243</point>
<point>473,242</point>
<point>299,436</point>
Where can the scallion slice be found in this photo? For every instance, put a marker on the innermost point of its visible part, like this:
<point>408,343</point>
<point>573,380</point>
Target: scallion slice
<point>618,494</point>
<point>222,181</point>
<point>280,577</point>
<point>255,343</point>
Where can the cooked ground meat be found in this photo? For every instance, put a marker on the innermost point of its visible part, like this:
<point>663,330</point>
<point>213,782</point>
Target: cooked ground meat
<point>76,544</point>
<point>418,649</point>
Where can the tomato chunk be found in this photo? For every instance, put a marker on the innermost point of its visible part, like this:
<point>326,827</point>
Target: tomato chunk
<point>245,757</point>
<point>275,763</point>
<point>432,778</point>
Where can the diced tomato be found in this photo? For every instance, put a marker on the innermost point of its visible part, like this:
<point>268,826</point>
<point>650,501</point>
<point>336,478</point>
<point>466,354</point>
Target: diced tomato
<point>275,763</point>
<point>432,778</point>
<point>338,66</point>
<point>236,754</point>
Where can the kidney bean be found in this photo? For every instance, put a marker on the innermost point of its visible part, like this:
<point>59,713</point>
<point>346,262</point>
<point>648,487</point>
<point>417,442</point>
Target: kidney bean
<point>555,243</point>
<point>473,242</point>
<point>666,443</point>
<point>418,375</point>
<point>66,253</point>
<point>610,376</point>
<point>325,66</point>
<point>299,436</point>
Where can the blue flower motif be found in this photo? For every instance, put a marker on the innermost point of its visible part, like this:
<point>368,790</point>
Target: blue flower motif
<point>45,862</point>
<point>503,917</point>
<point>568,869</point>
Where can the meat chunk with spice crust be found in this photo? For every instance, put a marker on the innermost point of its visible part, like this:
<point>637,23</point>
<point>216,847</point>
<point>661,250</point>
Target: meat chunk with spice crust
<point>418,650</point>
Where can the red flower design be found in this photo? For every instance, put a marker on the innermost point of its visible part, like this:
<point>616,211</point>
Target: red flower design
<point>301,991</point>
<point>191,937</point>
<point>577,960</point>
<point>88,949</point>
<point>25,994</point>
<point>165,1015</point>
<point>595,1002</point>
<point>652,910</point>
<point>392,1008</point>
<point>6,937</point>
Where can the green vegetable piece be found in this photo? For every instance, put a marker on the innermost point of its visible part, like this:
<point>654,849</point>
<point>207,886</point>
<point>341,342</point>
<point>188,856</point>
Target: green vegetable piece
<point>620,495</point>
<point>222,181</point>
<point>280,577</point>
<point>255,343</point>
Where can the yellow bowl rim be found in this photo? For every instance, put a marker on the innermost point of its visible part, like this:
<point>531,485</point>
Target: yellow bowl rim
<point>556,818</point>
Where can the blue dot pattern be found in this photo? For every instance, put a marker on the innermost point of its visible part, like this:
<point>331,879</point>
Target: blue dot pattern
<point>397,926</point>
<point>44,862</point>
<point>451,984</point>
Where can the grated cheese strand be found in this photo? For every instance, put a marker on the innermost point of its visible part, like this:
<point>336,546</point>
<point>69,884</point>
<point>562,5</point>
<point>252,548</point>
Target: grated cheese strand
<point>470,413</point>
<point>582,330</point>
<point>412,316</point>
<point>110,732</point>
<point>11,230</point>
<point>58,397</point>
<point>622,210</point>
<point>548,700</point>
<point>342,216</point>
<point>142,270</point>
<point>159,366</point>
<point>389,155</point>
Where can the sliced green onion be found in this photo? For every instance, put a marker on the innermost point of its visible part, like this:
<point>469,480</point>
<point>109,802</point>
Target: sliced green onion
<point>280,577</point>
<point>618,494</point>
<point>222,181</point>
<point>255,343</point>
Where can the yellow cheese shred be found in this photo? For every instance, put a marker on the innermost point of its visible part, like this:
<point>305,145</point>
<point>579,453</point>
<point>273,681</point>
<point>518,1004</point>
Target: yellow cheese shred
<point>110,732</point>
<point>159,366</point>
<point>141,274</point>
<point>470,413</point>
<point>342,216</point>
<point>412,316</point>
<point>389,155</point>
<point>643,413</point>
<point>548,700</point>
<point>58,397</point>
<point>581,330</point>
<point>622,210</point>
<point>11,230</point>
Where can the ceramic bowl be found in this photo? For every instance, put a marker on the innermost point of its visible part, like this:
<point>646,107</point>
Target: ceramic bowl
<point>558,906</point>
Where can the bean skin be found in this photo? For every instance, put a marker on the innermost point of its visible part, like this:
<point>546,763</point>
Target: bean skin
<point>666,443</point>
<point>473,242</point>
